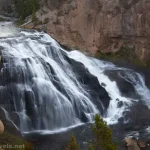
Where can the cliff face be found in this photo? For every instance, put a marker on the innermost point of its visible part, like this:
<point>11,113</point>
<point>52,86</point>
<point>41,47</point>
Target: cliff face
<point>100,25</point>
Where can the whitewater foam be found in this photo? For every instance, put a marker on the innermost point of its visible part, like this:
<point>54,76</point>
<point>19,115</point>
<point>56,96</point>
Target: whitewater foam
<point>8,28</point>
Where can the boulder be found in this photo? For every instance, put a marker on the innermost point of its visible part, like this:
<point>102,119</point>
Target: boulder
<point>1,127</point>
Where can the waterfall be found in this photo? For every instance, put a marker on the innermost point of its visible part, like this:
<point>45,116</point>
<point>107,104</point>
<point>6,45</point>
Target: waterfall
<point>44,87</point>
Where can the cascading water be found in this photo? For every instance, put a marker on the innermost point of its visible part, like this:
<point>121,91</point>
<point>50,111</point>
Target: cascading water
<point>48,88</point>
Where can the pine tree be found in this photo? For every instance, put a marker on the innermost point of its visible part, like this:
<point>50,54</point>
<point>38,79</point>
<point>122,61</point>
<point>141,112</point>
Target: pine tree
<point>102,136</point>
<point>72,144</point>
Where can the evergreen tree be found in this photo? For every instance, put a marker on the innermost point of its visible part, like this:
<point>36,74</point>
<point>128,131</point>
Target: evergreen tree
<point>72,144</point>
<point>102,139</point>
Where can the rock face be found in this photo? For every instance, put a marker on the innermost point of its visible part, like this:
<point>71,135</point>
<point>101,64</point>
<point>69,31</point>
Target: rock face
<point>105,25</point>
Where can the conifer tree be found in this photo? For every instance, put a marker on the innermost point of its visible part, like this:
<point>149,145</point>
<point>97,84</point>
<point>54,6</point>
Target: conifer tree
<point>72,144</point>
<point>102,136</point>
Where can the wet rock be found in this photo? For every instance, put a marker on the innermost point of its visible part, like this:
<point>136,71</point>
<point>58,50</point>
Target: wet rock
<point>30,103</point>
<point>0,55</point>
<point>103,84</point>
<point>137,117</point>
<point>84,117</point>
<point>117,99</point>
<point>120,104</point>
<point>126,86</point>
<point>121,120</point>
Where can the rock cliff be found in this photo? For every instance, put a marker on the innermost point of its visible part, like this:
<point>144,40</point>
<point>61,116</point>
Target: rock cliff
<point>99,25</point>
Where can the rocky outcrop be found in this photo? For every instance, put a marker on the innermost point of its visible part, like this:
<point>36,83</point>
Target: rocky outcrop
<point>1,127</point>
<point>99,25</point>
<point>134,144</point>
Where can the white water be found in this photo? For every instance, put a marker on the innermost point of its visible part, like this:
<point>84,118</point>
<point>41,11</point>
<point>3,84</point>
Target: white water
<point>8,29</point>
<point>30,50</point>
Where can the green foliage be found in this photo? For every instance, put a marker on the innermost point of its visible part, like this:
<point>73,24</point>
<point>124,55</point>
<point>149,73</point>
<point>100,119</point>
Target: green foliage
<point>25,8</point>
<point>102,136</point>
<point>72,144</point>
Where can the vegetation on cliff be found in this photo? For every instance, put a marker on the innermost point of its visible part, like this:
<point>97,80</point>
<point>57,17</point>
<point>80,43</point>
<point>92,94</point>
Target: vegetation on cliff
<point>25,8</point>
<point>124,54</point>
